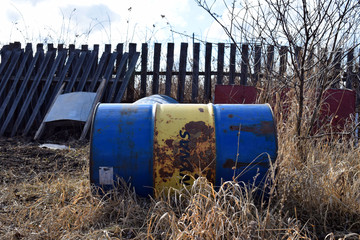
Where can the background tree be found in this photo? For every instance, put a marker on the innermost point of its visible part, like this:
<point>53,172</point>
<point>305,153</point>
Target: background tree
<point>317,34</point>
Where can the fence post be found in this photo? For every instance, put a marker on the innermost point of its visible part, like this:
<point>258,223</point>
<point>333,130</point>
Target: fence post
<point>207,82</point>
<point>169,67</point>
<point>283,60</point>
<point>195,74</point>
<point>119,50</point>
<point>220,64</point>
<point>182,72</point>
<point>144,60</point>
<point>337,68</point>
<point>156,68</point>
<point>244,64</point>
<point>131,87</point>
<point>232,63</point>
<point>257,68</point>
<point>350,69</point>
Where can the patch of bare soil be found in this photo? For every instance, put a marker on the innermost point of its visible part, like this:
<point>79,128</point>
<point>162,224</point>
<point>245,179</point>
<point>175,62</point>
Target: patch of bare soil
<point>21,159</point>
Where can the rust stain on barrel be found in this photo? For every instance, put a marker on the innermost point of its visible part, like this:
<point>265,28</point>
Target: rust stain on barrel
<point>230,163</point>
<point>169,142</point>
<point>261,129</point>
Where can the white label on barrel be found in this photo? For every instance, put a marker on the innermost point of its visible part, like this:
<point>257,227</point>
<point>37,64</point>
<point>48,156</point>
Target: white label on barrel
<point>106,175</point>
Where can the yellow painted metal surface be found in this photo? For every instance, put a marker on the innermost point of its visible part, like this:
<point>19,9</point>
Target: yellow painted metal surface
<point>184,145</point>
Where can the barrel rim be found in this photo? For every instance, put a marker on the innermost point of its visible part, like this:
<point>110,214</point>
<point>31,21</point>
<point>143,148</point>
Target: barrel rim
<point>275,131</point>
<point>91,142</point>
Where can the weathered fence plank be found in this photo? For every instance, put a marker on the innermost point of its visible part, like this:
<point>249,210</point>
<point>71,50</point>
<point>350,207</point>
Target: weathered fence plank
<point>182,72</point>
<point>220,64</point>
<point>98,72</point>
<point>85,75</point>
<point>207,79</point>
<point>125,81</point>
<point>13,63</point>
<point>119,74</point>
<point>169,68</point>
<point>76,70</point>
<point>244,64</point>
<point>257,67</point>
<point>156,68</point>
<point>350,68</point>
<point>144,62</point>
<point>195,75</point>
<point>130,94</point>
<point>283,60</point>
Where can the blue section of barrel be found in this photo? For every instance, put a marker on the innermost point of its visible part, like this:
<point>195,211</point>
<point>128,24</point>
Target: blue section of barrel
<point>122,141</point>
<point>246,142</point>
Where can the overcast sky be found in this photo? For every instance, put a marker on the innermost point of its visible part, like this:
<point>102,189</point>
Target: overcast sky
<point>105,21</point>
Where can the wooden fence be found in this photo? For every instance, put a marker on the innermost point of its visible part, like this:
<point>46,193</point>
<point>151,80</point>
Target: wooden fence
<point>30,80</point>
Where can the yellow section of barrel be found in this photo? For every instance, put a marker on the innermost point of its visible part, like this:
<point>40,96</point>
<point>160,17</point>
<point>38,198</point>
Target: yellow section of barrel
<point>184,145</point>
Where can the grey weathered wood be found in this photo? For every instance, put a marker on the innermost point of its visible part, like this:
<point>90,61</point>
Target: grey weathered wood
<point>119,50</point>
<point>270,57</point>
<point>350,69</point>
<point>9,72</point>
<point>11,92</point>
<point>127,77</point>
<point>19,94</point>
<point>40,49</point>
<point>220,64</point>
<point>99,93</point>
<point>337,68</point>
<point>109,71</point>
<point>232,64</point>
<point>156,68</point>
<point>4,60</point>
<point>29,97</point>
<point>44,92</point>
<point>119,75</point>
<point>283,60</point>
<point>85,75</point>
<point>98,72</point>
<point>130,94</point>
<point>40,130</point>
<point>195,75</point>
<point>182,72</point>
<point>207,80</point>
<point>76,70</point>
<point>95,66</point>
<point>169,68</point>
<point>144,61</point>
<point>244,64</point>
<point>257,64</point>
<point>108,48</point>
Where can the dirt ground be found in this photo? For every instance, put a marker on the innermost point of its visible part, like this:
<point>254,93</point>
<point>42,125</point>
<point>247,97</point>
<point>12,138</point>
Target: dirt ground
<point>22,159</point>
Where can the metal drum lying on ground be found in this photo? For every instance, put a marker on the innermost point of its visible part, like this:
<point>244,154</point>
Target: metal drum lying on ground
<point>157,143</point>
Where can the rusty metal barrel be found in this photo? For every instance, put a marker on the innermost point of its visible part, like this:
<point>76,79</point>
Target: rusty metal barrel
<point>157,143</point>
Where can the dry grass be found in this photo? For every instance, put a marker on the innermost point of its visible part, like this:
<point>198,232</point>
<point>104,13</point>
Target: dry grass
<point>316,196</point>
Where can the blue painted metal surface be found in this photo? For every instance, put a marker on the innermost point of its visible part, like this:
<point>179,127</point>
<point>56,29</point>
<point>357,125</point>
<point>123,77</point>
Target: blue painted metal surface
<point>122,143</point>
<point>246,141</point>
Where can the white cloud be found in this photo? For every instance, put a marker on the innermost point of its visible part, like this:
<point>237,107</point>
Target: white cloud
<point>100,21</point>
